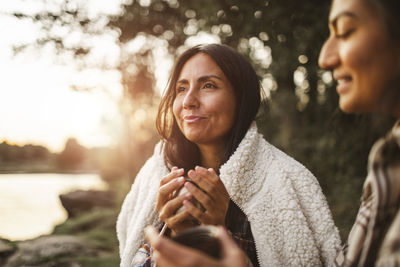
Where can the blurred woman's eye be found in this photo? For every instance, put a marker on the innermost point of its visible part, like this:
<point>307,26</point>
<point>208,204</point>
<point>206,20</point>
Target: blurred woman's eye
<point>344,34</point>
<point>344,28</point>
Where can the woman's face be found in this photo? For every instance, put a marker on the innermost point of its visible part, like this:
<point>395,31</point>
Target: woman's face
<point>205,104</point>
<point>364,59</point>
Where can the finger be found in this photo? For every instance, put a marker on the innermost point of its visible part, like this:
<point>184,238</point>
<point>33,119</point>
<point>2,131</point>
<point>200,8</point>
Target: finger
<point>151,235</point>
<point>169,252</point>
<point>179,221</point>
<point>205,199</point>
<point>161,261</point>
<point>226,241</point>
<point>231,253</point>
<point>202,182</point>
<point>208,174</point>
<point>209,182</point>
<point>173,205</point>
<point>166,190</point>
<point>194,211</point>
<point>171,186</point>
<point>173,174</point>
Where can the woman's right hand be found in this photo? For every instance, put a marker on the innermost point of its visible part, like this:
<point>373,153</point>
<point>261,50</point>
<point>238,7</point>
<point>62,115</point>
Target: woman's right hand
<point>167,204</point>
<point>170,254</point>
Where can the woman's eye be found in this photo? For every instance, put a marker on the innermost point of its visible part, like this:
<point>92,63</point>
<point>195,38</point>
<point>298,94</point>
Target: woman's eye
<point>209,85</point>
<point>180,89</point>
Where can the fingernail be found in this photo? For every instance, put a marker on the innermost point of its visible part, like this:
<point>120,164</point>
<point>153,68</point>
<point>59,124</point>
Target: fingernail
<point>200,169</point>
<point>188,195</point>
<point>180,180</point>
<point>188,185</point>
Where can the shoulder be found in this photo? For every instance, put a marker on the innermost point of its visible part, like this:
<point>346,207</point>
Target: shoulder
<point>155,163</point>
<point>285,166</point>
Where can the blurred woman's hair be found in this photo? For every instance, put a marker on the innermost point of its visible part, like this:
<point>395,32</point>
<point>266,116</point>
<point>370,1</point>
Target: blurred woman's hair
<point>390,10</point>
<point>179,151</point>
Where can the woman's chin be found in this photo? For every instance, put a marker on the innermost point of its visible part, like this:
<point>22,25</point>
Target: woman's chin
<point>193,137</point>
<point>346,105</point>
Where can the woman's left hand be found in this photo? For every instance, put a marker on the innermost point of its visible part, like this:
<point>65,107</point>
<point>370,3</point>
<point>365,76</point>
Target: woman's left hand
<point>215,200</point>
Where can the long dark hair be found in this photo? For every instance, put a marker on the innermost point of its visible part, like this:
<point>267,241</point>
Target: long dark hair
<point>180,152</point>
<point>390,11</point>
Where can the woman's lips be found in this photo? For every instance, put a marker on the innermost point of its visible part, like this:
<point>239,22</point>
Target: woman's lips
<point>343,85</point>
<point>192,118</point>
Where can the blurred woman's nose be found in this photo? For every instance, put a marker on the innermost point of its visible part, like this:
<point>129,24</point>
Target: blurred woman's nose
<point>329,57</point>
<point>191,99</point>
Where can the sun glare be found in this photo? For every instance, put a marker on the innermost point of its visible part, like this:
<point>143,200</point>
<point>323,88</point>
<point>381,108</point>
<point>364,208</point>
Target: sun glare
<point>37,103</point>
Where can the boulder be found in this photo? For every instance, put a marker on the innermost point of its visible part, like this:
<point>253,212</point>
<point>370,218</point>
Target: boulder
<point>6,250</point>
<point>53,250</point>
<point>84,200</point>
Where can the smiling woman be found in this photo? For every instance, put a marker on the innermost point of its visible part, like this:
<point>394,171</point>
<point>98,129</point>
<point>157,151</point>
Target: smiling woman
<point>363,51</point>
<point>363,56</point>
<point>205,104</point>
<point>271,204</point>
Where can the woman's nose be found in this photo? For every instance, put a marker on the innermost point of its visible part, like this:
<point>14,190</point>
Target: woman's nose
<point>329,57</point>
<point>191,99</point>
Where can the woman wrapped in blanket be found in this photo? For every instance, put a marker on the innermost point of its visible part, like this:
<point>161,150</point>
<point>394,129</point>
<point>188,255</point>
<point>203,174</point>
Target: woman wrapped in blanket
<point>363,52</point>
<point>272,206</point>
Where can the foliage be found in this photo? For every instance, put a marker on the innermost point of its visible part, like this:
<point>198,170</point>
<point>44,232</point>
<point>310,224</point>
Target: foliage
<point>282,38</point>
<point>72,156</point>
<point>12,153</point>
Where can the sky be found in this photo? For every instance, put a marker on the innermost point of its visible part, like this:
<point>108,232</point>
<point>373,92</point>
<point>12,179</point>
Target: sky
<point>37,104</point>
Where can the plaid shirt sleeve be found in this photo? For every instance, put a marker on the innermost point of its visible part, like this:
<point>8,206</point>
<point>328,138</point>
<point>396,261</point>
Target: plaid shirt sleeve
<point>375,237</point>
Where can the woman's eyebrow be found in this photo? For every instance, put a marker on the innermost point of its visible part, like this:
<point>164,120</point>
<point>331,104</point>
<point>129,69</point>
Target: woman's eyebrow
<point>200,79</point>
<point>334,20</point>
<point>208,77</point>
<point>183,81</point>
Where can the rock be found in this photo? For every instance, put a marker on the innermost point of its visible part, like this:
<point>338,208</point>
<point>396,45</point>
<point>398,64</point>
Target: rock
<point>84,200</point>
<point>6,249</point>
<point>54,250</point>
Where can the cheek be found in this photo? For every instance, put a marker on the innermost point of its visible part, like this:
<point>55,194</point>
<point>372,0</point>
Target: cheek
<point>355,58</point>
<point>230,110</point>
<point>176,108</point>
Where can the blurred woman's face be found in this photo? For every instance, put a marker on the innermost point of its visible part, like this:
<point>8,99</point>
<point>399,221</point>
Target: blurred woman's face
<point>204,106</point>
<point>364,59</point>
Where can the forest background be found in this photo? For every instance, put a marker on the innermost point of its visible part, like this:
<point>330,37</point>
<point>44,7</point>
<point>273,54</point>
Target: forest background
<point>282,39</point>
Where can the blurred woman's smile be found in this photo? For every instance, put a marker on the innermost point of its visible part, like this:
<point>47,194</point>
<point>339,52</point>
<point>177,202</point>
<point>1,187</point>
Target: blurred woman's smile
<point>344,83</point>
<point>363,57</point>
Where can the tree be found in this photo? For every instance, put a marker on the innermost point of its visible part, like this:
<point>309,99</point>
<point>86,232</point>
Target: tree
<point>282,38</point>
<point>73,155</point>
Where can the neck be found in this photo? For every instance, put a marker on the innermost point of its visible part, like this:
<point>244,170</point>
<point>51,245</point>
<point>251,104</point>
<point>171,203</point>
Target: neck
<point>211,155</point>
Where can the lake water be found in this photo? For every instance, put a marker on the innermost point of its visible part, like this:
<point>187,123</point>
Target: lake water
<point>29,203</point>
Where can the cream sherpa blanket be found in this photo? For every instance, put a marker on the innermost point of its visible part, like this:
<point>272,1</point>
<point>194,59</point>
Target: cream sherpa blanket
<point>289,216</point>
